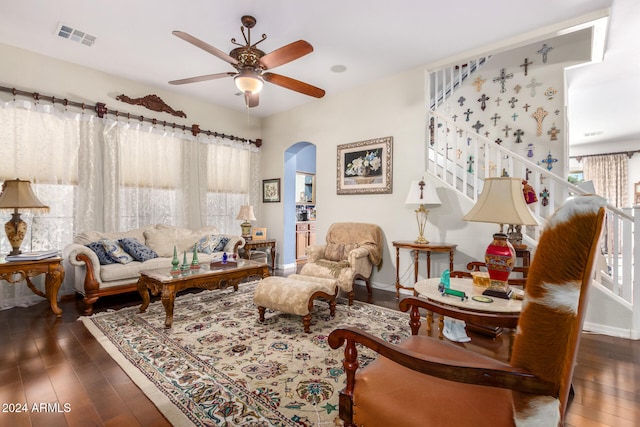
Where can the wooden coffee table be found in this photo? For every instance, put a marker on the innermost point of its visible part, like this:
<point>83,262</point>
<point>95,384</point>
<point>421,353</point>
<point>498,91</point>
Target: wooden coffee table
<point>208,276</point>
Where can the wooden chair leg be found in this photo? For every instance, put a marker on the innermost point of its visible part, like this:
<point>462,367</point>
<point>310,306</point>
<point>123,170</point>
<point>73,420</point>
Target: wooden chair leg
<point>332,307</point>
<point>261,311</point>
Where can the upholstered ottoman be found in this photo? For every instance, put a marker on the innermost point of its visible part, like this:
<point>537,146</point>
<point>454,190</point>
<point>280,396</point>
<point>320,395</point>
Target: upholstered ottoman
<point>295,295</point>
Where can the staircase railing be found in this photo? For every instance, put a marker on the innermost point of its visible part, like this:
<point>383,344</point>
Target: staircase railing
<point>462,159</point>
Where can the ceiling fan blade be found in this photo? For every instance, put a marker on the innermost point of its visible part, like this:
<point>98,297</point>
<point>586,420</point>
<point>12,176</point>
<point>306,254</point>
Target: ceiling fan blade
<point>205,46</point>
<point>293,84</point>
<point>286,54</point>
<point>201,78</point>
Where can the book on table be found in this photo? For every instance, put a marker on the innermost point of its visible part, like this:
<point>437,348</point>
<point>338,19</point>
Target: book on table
<point>33,256</point>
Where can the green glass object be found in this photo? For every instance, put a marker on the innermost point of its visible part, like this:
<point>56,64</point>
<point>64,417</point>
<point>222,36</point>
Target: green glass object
<point>185,264</point>
<point>445,279</point>
<point>194,262</point>
<point>175,262</point>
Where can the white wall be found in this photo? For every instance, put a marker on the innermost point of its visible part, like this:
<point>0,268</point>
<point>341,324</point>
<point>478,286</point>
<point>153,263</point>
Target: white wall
<point>390,107</point>
<point>33,72</point>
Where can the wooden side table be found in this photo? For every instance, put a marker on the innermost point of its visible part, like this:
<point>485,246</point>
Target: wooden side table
<point>417,248</point>
<point>17,271</point>
<point>251,245</point>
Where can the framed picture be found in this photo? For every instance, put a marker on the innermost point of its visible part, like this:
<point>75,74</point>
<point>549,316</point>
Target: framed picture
<point>270,190</point>
<point>365,167</point>
<point>258,234</point>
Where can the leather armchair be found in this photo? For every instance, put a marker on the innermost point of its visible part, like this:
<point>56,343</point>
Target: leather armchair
<point>349,254</point>
<point>426,382</point>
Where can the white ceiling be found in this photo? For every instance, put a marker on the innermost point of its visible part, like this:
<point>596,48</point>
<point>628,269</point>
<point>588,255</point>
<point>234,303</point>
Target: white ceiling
<point>371,38</point>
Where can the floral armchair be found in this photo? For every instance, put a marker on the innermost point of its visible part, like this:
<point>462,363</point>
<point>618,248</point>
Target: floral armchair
<point>349,254</point>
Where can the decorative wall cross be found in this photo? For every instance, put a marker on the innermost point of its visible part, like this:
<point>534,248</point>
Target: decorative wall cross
<point>498,99</point>
<point>544,50</point>
<point>526,64</point>
<point>530,148</point>
<point>525,106</point>
<point>478,83</point>
<point>492,168</point>
<point>553,132</point>
<point>549,160</point>
<point>483,101</point>
<point>513,101</point>
<point>550,93</point>
<point>477,126</point>
<point>539,115</point>
<point>460,132</point>
<point>506,130</point>
<point>432,131</point>
<point>518,134</point>
<point>514,117</point>
<point>461,100</point>
<point>517,88</point>
<point>454,117</point>
<point>467,113</point>
<point>534,83</point>
<point>495,118</point>
<point>498,141</point>
<point>470,163</point>
<point>502,79</point>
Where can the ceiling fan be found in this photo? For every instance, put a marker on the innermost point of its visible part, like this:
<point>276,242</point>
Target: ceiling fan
<point>251,63</point>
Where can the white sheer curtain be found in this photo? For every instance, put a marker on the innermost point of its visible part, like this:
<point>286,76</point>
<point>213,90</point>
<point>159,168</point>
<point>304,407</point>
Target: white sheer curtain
<point>609,175</point>
<point>110,175</point>
<point>39,143</point>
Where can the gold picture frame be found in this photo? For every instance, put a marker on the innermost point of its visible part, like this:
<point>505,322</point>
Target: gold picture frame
<point>258,233</point>
<point>365,167</point>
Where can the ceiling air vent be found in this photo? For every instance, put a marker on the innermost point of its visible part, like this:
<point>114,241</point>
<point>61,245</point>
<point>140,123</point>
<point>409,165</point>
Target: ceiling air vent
<point>78,36</point>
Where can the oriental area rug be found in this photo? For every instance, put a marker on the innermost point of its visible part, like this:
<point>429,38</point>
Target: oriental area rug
<point>219,366</point>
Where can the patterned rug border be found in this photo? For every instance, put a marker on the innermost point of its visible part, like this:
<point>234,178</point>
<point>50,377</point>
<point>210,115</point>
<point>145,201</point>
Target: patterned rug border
<point>174,411</point>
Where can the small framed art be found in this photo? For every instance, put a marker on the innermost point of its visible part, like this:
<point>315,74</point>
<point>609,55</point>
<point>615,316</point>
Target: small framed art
<point>270,190</point>
<point>365,167</point>
<point>258,234</point>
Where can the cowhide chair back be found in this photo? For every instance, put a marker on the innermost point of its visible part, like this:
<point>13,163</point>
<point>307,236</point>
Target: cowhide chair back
<point>553,310</point>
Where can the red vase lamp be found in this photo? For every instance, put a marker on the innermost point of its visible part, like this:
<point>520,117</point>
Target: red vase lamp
<point>500,258</point>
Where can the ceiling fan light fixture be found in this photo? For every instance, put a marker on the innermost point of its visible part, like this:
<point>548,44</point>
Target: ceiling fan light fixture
<point>248,81</point>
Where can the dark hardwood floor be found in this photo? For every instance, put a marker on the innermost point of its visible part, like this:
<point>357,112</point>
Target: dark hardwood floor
<point>49,360</point>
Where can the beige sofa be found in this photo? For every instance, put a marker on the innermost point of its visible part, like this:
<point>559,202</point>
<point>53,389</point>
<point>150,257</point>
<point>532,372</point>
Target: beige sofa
<point>93,279</point>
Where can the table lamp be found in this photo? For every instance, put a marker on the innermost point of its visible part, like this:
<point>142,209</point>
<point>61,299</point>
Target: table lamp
<point>501,202</point>
<point>17,194</point>
<point>246,215</point>
<point>424,195</point>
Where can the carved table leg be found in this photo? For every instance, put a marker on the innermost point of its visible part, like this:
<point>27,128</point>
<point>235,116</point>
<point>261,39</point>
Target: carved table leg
<point>53,280</point>
<point>168,298</point>
<point>144,293</point>
<point>429,320</point>
<point>306,322</point>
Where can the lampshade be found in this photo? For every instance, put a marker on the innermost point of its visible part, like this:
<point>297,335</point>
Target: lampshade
<point>17,194</point>
<point>501,202</point>
<point>425,196</point>
<point>422,194</point>
<point>248,81</point>
<point>246,213</point>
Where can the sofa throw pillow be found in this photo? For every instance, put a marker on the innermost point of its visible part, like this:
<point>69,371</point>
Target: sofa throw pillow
<point>103,256</point>
<point>212,243</point>
<point>116,252</point>
<point>137,250</point>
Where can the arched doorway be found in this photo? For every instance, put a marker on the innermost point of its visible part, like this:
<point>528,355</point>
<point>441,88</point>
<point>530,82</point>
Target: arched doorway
<point>300,157</point>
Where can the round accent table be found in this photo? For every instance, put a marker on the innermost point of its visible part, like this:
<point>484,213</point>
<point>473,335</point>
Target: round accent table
<point>428,288</point>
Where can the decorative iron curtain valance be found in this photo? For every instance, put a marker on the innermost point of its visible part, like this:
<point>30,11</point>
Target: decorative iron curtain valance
<point>100,109</point>
<point>628,153</point>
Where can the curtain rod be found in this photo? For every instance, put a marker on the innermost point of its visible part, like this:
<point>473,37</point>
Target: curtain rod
<point>100,108</point>
<point>628,153</point>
